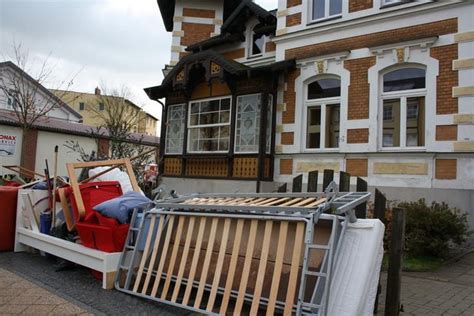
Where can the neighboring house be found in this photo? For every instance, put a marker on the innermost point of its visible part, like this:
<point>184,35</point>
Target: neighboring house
<point>382,89</point>
<point>31,88</point>
<point>91,104</point>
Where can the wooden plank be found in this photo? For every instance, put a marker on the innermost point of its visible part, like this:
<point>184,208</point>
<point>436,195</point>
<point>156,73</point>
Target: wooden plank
<point>313,181</point>
<point>131,175</point>
<point>232,266</point>
<point>380,204</point>
<point>291,202</point>
<point>394,275</point>
<point>98,163</point>
<point>328,176</point>
<point>219,265</point>
<point>276,202</point>
<point>268,200</point>
<point>278,268</point>
<point>154,253</point>
<point>68,216</point>
<point>254,201</point>
<point>344,182</point>
<point>295,263</point>
<point>184,258</point>
<point>283,188</point>
<point>297,184</point>
<point>246,271</point>
<point>81,210</point>
<point>361,210</point>
<point>261,268</point>
<point>304,202</point>
<point>164,253</point>
<point>197,251</point>
<point>174,253</point>
<point>246,201</point>
<point>207,261</point>
<point>320,201</point>
<point>145,253</point>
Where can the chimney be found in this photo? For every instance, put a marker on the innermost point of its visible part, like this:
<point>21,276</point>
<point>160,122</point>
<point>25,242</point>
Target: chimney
<point>97,91</point>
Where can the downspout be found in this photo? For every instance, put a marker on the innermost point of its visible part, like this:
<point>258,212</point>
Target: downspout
<point>162,139</point>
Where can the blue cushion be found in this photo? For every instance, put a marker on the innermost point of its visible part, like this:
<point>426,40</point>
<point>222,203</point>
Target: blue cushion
<point>120,207</point>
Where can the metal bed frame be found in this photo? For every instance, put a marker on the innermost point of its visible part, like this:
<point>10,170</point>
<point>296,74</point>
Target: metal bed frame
<point>309,209</point>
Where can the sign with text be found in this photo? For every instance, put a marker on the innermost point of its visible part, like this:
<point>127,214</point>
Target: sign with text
<point>7,145</point>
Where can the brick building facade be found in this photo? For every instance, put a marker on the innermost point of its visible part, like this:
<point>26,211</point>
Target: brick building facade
<point>381,89</point>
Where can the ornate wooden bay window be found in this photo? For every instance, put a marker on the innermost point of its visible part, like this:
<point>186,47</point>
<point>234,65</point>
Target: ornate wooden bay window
<point>219,118</point>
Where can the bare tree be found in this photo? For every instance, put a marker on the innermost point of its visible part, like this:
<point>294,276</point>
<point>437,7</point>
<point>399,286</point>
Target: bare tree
<point>31,100</point>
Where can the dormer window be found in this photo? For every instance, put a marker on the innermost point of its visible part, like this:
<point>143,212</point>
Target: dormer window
<point>257,43</point>
<point>325,9</point>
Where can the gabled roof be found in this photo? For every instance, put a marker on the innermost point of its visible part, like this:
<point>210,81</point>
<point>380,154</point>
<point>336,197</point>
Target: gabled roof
<point>247,8</point>
<point>234,27</point>
<point>41,87</point>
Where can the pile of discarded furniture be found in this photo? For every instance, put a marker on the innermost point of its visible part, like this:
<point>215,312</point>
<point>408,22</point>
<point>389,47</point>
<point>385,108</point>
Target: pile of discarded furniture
<point>290,253</point>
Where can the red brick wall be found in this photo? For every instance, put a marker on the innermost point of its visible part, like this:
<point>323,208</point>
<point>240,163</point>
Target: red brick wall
<point>199,13</point>
<point>290,97</point>
<point>446,169</point>
<point>195,32</point>
<point>270,47</point>
<point>294,19</point>
<point>375,39</point>
<point>287,138</point>
<point>358,136</point>
<point>28,149</point>
<point>292,3</point>
<point>357,167</point>
<point>358,106</point>
<point>286,166</point>
<point>447,78</point>
<point>446,132</point>
<point>358,5</point>
<point>234,54</point>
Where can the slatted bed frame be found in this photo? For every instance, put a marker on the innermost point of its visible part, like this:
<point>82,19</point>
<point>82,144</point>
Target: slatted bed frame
<point>240,253</point>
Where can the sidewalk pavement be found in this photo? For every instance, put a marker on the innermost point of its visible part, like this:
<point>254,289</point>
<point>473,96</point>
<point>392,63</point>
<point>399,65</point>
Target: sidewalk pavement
<point>448,291</point>
<point>19,296</point>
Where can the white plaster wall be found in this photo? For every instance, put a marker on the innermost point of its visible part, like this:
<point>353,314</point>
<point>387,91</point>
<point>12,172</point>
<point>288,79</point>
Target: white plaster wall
<point>45,150</point>
<point>15,159</point>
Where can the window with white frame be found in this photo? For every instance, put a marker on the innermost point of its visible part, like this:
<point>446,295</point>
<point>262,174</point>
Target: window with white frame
<point>392,2</point>
<point>403,101</point>
<point>209,125</point>
<point>256,43</point>
<point>325,9</point>
<point>175,129</point>
<point>323,98</point>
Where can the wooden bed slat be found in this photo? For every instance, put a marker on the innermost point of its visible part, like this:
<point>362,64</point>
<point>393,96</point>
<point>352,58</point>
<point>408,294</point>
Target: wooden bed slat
<point>197,250</point>
<point>232,266</point>
<point>291,202</point>
<point>154,253</point>
<point>261,268</point>
<point>304,202</point>
<point>207,261</point>
<point>219,265</point>
<point>278,268</point>
<point>184,258</point>
<point>163,256</point>
<point>276,202</point>
<point>320,201</point>
<point>145,253</point>
<point>295,263</point>
<point>174,253</point>
<point>246,270</point>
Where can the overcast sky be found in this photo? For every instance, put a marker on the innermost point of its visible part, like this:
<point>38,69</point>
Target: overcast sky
<point>109,42</point>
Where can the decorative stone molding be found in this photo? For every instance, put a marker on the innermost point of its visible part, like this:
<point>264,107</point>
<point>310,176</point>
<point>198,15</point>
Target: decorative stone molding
<point>282,31</point>
<point>320,166</point>
<point>217,21</point>
<point>282,13</point>
<point>279,128</point>
<point>178,33</point>
<point>281,107</point>
<point>176,48</point>
<point>464,146</point>
<point>463,63</point>
<point>178,18</point>
<point>408,168</point>
<point>464,37</point>
<point>463,91</point>
<point>463,119</point>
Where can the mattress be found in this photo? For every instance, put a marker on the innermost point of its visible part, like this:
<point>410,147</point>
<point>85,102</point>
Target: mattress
<point>357,270</point>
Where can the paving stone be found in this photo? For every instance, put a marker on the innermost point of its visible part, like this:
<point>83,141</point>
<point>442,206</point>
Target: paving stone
<point>66,309</point>
<point>12,309</point>
<point>38,310</point>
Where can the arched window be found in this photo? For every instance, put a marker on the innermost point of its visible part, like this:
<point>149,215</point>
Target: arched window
<point>257,43</point>
<point>323,98</point>
<point>404,107</point>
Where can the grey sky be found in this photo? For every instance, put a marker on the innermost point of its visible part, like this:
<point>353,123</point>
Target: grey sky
<point>111,42</point>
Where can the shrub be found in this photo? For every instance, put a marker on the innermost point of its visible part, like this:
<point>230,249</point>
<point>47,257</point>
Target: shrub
<point>430,230</point>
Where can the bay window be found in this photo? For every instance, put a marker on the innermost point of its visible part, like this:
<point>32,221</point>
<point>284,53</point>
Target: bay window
<point>324,9</point>
<point>323,113</point>
<point>175,129</point>
<point>403,109</point>
<point>209,125</point>
<point>257,43</point>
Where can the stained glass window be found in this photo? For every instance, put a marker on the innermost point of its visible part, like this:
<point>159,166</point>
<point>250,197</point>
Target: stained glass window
<point>175,129</point>
<point>247,123</point>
